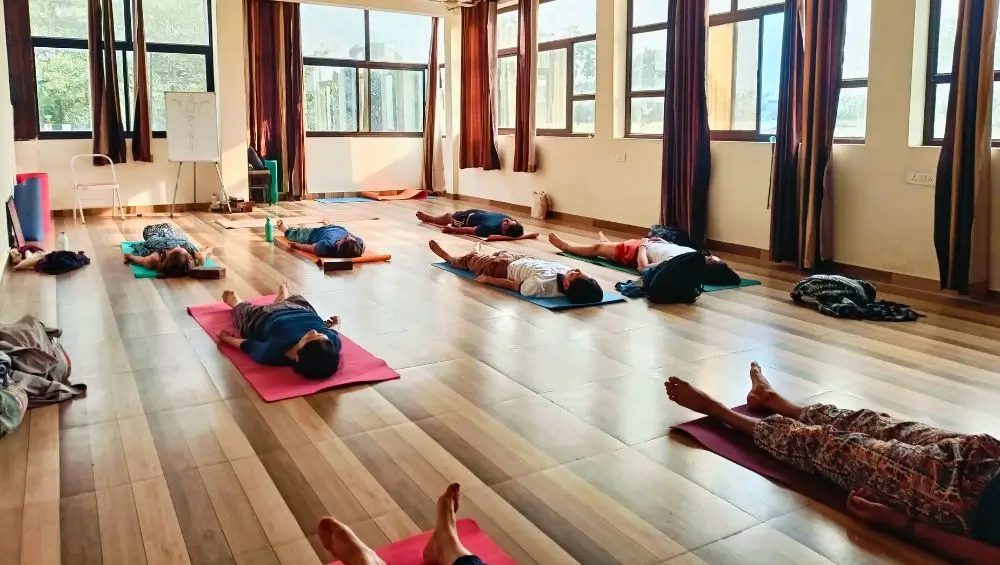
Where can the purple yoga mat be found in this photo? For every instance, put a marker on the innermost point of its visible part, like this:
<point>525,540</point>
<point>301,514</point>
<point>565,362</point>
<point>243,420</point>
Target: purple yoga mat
<point>722,440</point>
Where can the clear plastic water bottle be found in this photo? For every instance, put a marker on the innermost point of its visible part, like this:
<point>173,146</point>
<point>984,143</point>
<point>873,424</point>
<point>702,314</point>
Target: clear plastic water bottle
<point>268,230</point>
<point>63,241</point>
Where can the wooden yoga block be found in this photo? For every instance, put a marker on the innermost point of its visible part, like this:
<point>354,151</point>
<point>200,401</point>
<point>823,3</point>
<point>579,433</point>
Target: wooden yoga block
<point>207,273</point>
<point>336,264</point>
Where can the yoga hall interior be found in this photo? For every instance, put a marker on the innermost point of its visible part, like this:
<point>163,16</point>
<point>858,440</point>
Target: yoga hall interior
<point>809,185</point>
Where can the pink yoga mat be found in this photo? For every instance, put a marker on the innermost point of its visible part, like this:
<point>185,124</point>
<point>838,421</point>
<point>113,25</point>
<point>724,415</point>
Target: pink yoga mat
<point>410,550</point>
<point>357,366</point>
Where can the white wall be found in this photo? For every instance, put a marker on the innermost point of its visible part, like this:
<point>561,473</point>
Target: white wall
<point>353,164</point>
<point>6,143</point>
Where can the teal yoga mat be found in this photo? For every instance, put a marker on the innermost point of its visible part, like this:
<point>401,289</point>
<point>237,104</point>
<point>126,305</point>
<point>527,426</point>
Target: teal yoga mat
<point>141,272</point>
<point>612,265</point>
<point>556,304</point>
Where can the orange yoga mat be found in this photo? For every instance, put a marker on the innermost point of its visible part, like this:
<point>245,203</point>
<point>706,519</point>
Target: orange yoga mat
<point>369,256</point>
<point>407,194</point>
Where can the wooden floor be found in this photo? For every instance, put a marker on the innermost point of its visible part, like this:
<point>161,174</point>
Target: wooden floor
<point>555,424</point>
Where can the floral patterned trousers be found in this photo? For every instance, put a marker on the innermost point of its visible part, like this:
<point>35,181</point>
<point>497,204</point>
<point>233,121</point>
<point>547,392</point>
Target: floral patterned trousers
<point>932,475</point>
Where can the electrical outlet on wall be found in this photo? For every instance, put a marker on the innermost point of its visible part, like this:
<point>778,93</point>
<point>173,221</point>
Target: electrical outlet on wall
<point>923,179</point>
<point>621,157</point>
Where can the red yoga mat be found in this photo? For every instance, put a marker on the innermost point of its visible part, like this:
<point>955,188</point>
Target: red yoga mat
<point>357,366</point>
<point>410,550</point>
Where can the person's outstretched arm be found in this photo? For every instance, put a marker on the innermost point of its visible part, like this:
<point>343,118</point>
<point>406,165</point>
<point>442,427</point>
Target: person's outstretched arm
<point>642,259</point>
<point>149,261</point>
<point>229,339</point>
<point>462,230</point>
<point>308,247</point>
<point>202,256</point>
<point>502,283</point>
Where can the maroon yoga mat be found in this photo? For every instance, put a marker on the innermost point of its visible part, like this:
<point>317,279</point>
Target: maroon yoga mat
<point>740,449</point>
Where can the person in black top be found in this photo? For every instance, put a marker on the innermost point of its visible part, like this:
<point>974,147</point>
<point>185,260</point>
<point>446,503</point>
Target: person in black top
<point>479,223</point>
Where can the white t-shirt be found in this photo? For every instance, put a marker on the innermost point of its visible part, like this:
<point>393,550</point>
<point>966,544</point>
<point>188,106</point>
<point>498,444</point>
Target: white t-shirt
<point>659,251</point>
<point>537,277</point>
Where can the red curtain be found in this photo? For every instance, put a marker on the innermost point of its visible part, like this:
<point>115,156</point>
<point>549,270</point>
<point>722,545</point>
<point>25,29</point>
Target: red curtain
<point>801,198</point>
<point>274,89</point>
<point>430,115</point>
<point>142,134</point>
<point>109,132</point>
<point>687,160</point>
<point>477,132</point>
<point>21,63</point>
<point>527,60</point>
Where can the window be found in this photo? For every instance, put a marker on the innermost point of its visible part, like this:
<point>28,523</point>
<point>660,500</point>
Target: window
<point>941,46</point>
<point>566,87</point>
<point>179,58</point>
<point>365,72</point>
<point>646,72</point>
<point>852,111</point>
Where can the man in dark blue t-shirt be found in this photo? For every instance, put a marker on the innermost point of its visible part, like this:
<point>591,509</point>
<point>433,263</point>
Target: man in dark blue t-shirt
<point>286,332</point>
<point>479,223</point>
<point>328,240</point>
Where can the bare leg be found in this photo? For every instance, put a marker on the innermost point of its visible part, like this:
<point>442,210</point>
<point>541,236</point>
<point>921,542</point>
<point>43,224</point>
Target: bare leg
<point>602,238</point>
<point>697,400</point>
<point>440,252</point>
<point>281,225</point>
<point>283,293</point>
<point>444,547</point>
<point>605,250</point>
<point>442,220</point>
<point>230,298</point>
<point>764,396</point>
<point>339,540</point>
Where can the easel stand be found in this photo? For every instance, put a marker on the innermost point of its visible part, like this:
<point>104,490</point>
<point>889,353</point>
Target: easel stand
<point>194,175</point>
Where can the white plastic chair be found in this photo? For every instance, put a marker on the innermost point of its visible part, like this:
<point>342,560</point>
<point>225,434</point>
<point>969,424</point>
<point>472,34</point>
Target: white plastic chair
<point>79,187</point>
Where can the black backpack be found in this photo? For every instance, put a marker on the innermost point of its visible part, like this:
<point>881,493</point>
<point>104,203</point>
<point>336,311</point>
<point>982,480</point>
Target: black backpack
<point>677,281</point>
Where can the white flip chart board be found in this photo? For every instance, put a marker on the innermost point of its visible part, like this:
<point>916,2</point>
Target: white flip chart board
<point>192,127</point>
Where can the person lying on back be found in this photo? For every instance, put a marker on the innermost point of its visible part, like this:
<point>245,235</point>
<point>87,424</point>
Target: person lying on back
<point>167,251</point>
<point>328,240</point>
<point>479,223</point>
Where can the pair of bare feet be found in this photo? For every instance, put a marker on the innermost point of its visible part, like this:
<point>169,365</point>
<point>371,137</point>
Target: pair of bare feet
<point>230,298</point>
<point>282,226</point>
<point>560,244</point>
<point>762,395</point>
<point>444,547</point>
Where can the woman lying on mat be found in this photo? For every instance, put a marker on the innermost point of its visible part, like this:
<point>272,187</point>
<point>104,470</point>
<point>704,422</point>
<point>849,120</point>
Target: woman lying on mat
<point>479,223</point>
<point>529,276</point>
<point>286,332</point>
<point>167,251</point>
<point>636,253</point>
<point>444,547</point>
<point>328,240</point>
<point>938,488</point>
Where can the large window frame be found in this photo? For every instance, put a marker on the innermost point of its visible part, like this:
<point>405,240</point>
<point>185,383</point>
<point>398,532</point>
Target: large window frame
<point>630,93</point>
<point>367,65</point>
<point>569,44</point>
<point>123,49</point>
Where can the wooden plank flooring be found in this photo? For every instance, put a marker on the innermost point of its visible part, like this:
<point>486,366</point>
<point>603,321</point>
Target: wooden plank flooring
<point>555,424</point>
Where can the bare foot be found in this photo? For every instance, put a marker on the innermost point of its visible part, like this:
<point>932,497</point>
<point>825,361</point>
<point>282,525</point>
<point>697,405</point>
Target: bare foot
<point>602,237</point>
<point>557,242</point>
<point>339,540</point>
<point>761,392</point>
<point>230,298</point>
<point>325,221</point>
<point>281,225</point>
<point>333,322</point>
<point>283,292</point>
<point>438,250</point>
<point>444,547</point>
<point>424,217</point>
<point>681,392</point>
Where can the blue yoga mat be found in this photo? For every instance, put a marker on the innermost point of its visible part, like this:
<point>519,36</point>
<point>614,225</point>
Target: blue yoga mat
<point>344,200</point>
<point>140,272</point>
<point>549,303</point>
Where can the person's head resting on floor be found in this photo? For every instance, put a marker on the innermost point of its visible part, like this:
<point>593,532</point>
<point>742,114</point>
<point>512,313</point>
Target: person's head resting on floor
<point>347,247</point>
<point>510,227</point>
<point>579,288</point>
<point>315,357</point>
<point>176,262</point>
<point>718,273</point>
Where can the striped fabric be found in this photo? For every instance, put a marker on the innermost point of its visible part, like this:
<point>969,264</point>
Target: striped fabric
<point>687,160</point>
<point>962,193</point>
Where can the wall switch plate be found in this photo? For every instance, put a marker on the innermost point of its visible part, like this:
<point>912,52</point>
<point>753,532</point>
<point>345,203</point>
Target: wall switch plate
<point>621,157</point>
<point>923,179</point>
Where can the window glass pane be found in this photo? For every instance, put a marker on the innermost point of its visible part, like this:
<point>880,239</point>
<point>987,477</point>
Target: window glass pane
<point>744,4</point>
<point>649,60</point>
<point>334,32</point>
<point>852,112</point>
<point>585,68</point>
<point>584,116</point>
<point>507,30</point>
<point>719,6</point>
<point>940,109</point>
<point>947,29</point>
<point>770,72</point>
<point>330,95</point>
<point>550,107</point>
<point>857,40</point>
<point>58,18</point>
<point>399,38</point>
<point>118,9</point>
<point>560,19</point>
<point>172,72</point>
<point>126,68</point>
<point>506,91</point>
<point>63,83</point>
<point>176,21</point>
<point>645,12</point>
<point>397,99</point>
<point>732,76</point>
<point>646,116</point>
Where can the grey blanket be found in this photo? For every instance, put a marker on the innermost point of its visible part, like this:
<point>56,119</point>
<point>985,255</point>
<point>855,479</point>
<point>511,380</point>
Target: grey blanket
<point>31,357</point>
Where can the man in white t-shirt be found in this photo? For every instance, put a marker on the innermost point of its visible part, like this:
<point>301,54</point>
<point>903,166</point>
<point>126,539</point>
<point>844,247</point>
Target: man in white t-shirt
<point>640,254</point>
<point>526,275</point>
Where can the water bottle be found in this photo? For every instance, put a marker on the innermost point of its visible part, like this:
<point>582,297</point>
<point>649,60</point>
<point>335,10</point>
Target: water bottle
<point>268,230</point>
<point>63,241</point>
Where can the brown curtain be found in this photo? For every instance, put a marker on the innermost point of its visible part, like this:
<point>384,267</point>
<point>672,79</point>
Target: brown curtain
<point>21,62</point>
<point>801,198</point>
<point>274,89</point>
<point>527,61</point>
<point>109,133</point>
<point>687,159</point>
<point>430,114</point>
<point>142,134</point>
<point>962,192</point>
<point>477,132</point>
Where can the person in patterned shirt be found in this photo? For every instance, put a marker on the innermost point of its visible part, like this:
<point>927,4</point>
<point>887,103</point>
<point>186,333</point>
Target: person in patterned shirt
<point>167,251</point>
